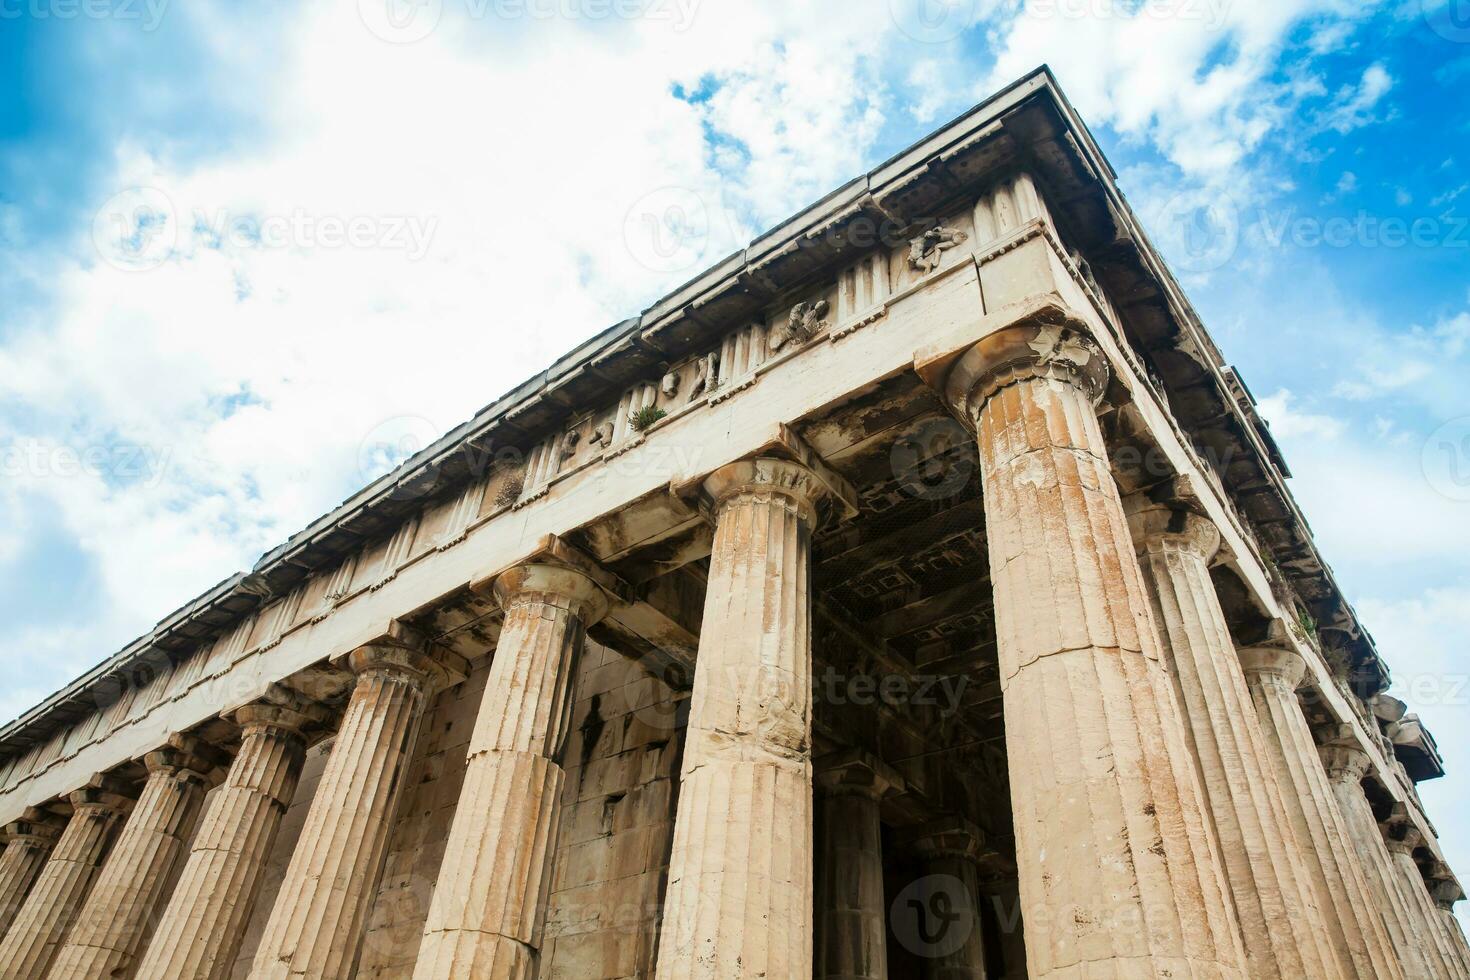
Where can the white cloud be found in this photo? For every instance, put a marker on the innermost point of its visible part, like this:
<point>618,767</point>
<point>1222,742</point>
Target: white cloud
<point>1375,382</point>
<point>1354,106</point>
<point>530,150</point>
<point>1287,422</point>
<point>1423,638</point>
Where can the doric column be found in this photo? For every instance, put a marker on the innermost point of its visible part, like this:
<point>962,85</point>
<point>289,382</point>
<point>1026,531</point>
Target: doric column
<point>851,927</point>
<point>28,843</point>
<point>739,900</point>
<point>36,935</point>
<point>121,910</point>
<point>946,928</point>
<point>204,923</point>
<point>315,927</point>
<point>489,905</point>
<point>1426,930</point>
<point>1349,911</point>
<point>1280,919</point>
<point>1346,764</point>
<point>1119,873</point>
<point>1456,937</point>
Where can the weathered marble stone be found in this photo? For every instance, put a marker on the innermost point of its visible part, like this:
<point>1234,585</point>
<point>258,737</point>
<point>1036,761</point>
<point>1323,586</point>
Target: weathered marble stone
<point>1280,919</point>
<point>41,925</point>
<point>851,917</point>
<point>1425,930</point>
<point>315,928</point>
<point>1119,872</point>
<point>948,853</point>
<point>122,908</point>
<point>489,905</point>
<point>1346,764</point>
<point>28,843</point>
<point>739,898</point>
<point>1456,933</point>
<point>201,930</point>
<point>1350,912</point>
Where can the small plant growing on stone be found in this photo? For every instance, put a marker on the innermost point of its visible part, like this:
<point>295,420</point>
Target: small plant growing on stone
<point>642,418</point>
<point>1307,623</point>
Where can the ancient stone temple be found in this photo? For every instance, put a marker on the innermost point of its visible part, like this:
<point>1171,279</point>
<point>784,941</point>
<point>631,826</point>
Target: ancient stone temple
<point>913,594</point>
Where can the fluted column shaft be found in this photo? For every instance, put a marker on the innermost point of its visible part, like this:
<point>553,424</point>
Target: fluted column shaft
<point>315,928</point>
<point>1119,873</point>
<point>1349,911</point>
<point>1346,765</point>
<point>739,900</point>
<point>202,927</point>
<point>489,905</point>
<point>41,925</point>
<point>950,938</point>
<point>851,928</point>
<point>1280,918</point>
<point>122,908</point>
<point>1425,928</point>
<point>1456,934</point>
<point>28,844</point>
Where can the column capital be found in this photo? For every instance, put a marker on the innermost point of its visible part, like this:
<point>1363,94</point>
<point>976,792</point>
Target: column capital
<point>1048,342</point>
<point>768,476</point>
<point>281,709</point>
<point>536,580</point>
<point>856,773</point>
<point>946,837</point>
<point>1345,762</point>
<point>35,826</point>
<point>1159,528</point>
<point>1443,887</point>
<point>103,791</point>
<point>405,652</point>
<point>188,754</point>
<point>1280,662</point>
<point>1400,836</point>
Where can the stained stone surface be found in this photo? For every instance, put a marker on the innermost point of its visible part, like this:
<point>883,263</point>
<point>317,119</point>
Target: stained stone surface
<point>204,924</point>
<point>740,877</point>
<point>316,926</point>
<point>36,934</point>
<point>490,901</point>
<point>1354,925</point>
<point>28,843</point>
<point>1280,918</point>
<point>1119,873</point>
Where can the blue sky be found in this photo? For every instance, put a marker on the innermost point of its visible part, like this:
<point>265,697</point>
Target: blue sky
<point>244,248</point>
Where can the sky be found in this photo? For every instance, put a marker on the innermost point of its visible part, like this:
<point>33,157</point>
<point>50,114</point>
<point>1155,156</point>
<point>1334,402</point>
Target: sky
<point>251,255</point>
